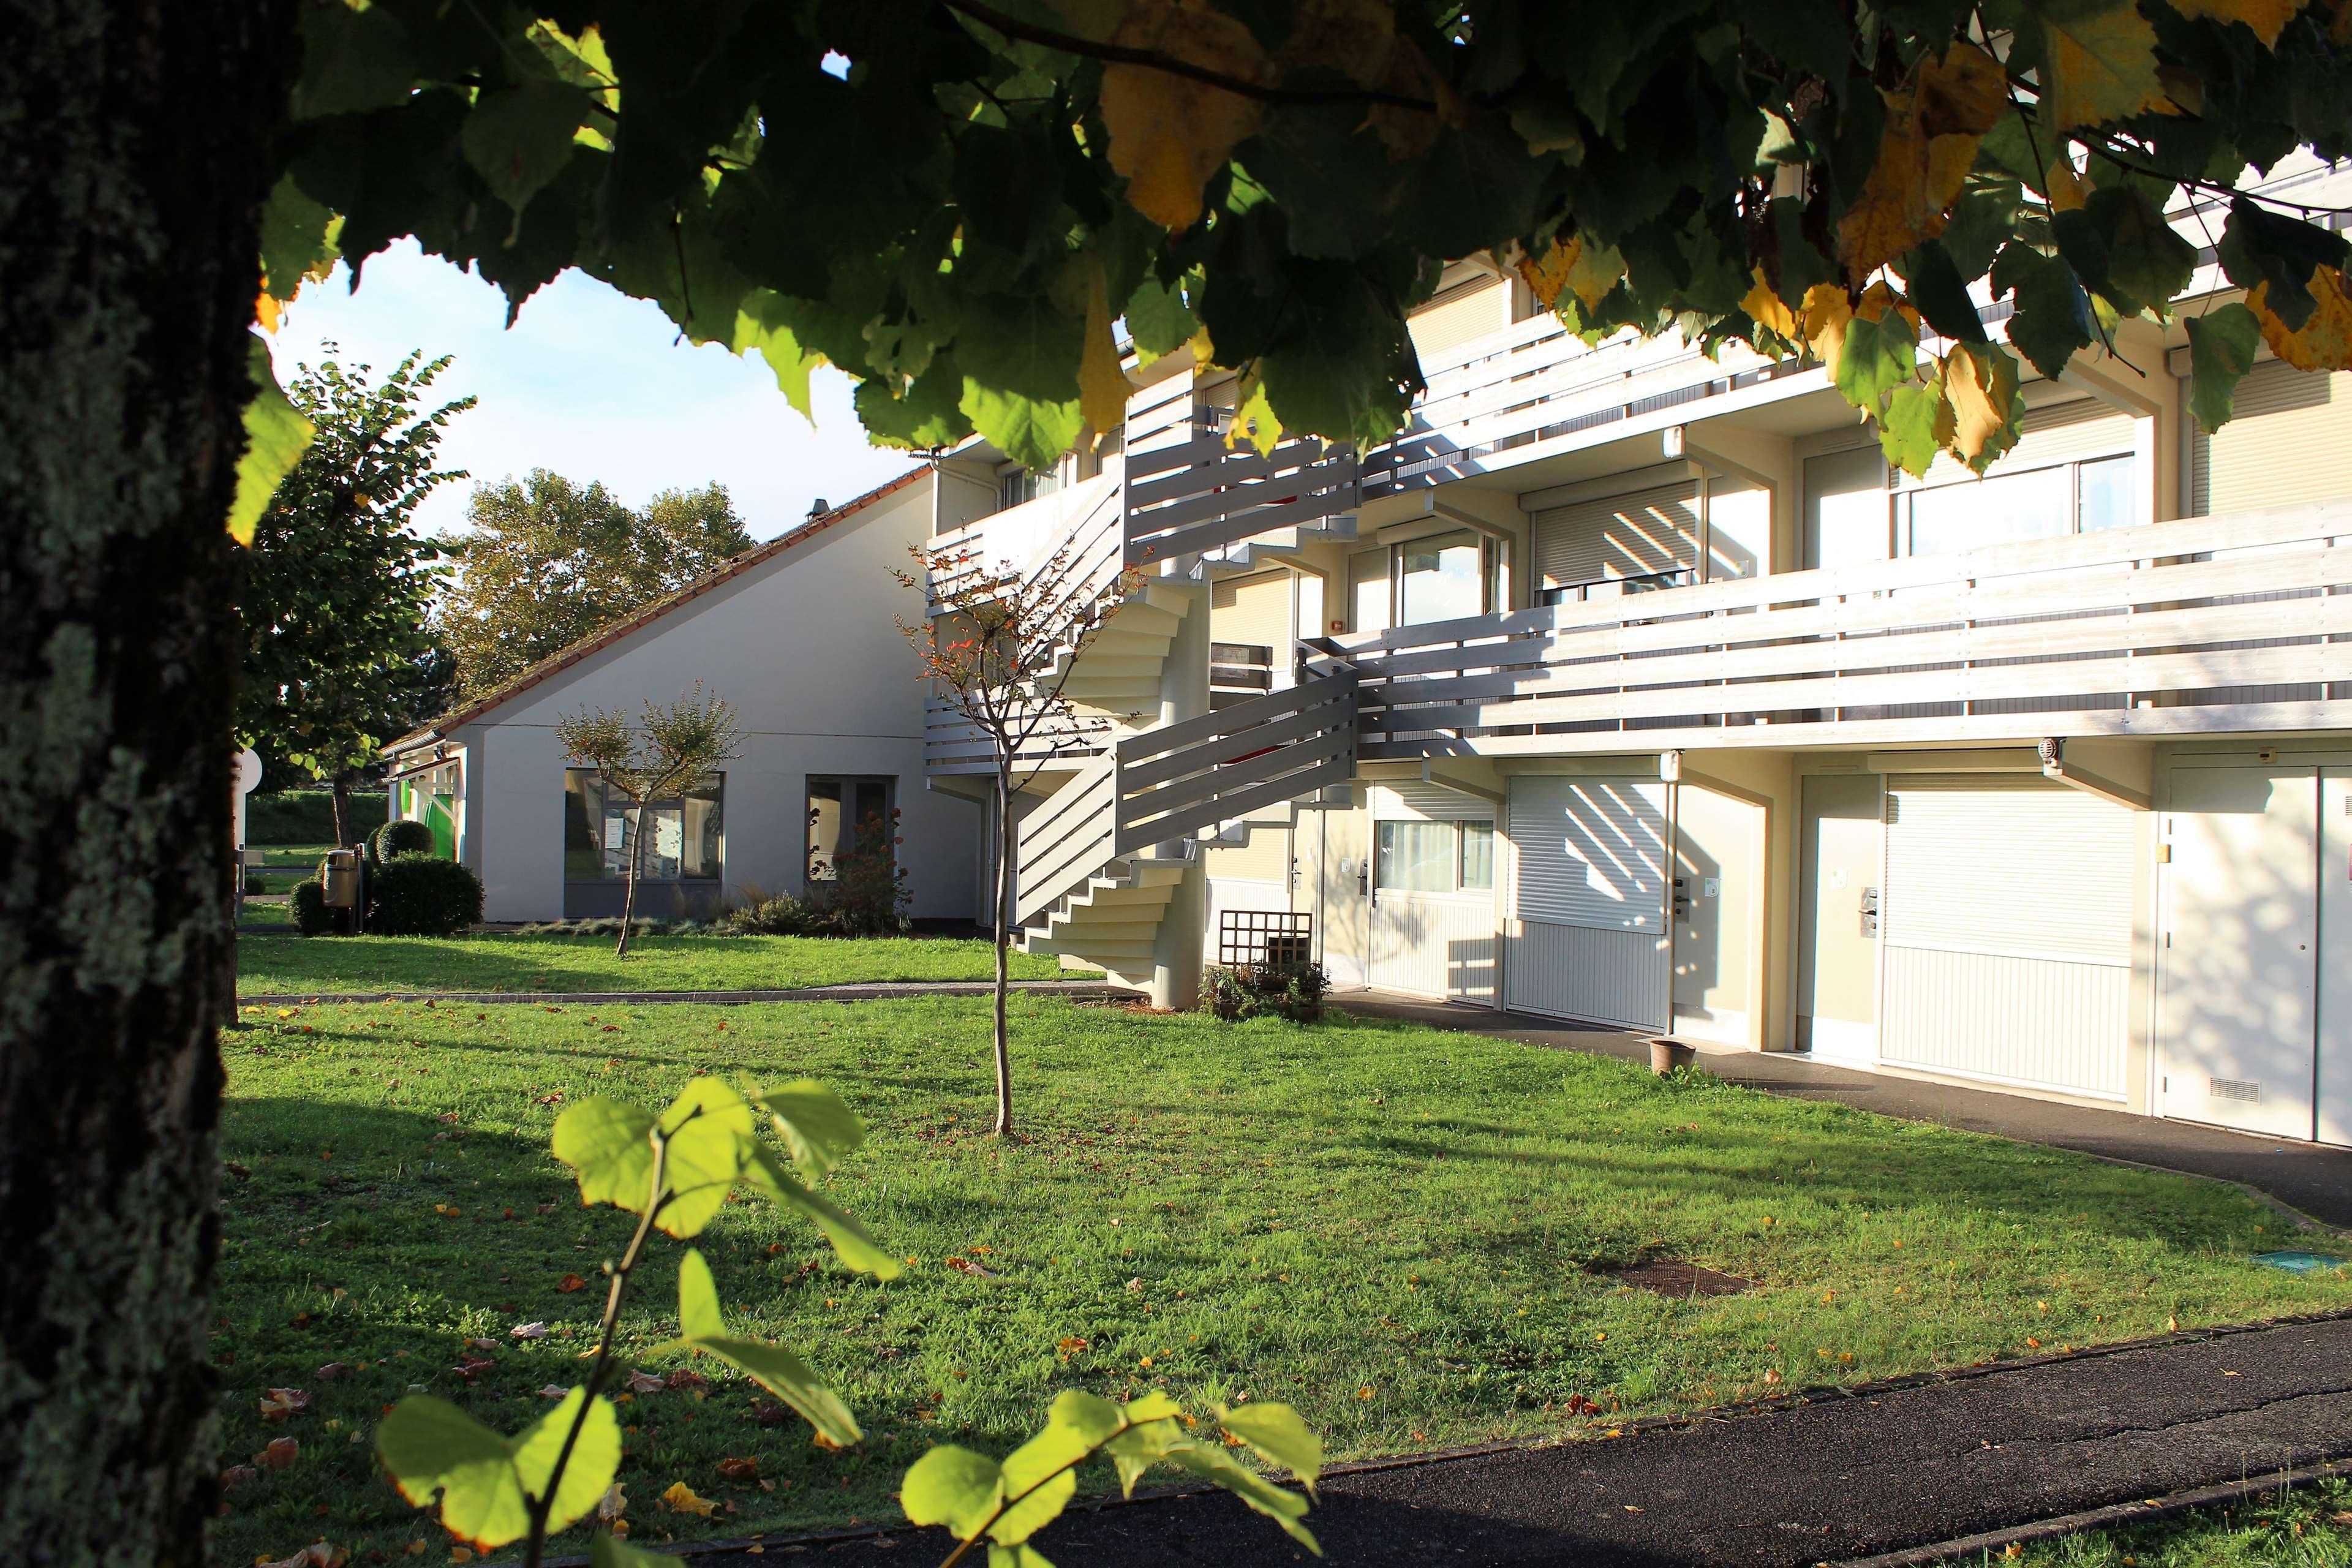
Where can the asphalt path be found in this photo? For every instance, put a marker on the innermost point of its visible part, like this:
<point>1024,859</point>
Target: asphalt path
<point>1810,1480</point>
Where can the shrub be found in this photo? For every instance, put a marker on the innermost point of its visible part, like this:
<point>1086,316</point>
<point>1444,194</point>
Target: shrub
<point>782,915</point>
<point>868,895</point>
<point>1294,991</point>
<point>423,895</point>
<point>402,837</point>
<point>312,916</point>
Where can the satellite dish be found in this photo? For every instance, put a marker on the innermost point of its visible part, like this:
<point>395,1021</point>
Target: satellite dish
<point>248,771</point>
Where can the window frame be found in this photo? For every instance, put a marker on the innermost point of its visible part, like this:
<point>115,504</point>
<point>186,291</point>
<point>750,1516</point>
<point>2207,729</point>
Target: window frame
<point>844,782</point>
<point>712,785</point>
<point>1454,858</point>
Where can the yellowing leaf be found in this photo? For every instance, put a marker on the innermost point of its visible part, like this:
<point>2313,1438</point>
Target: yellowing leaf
<point>1981,381</point>
<point>2325,342</point>
<point>1547,275</point>
<point>2098,63</point>
<point>1254,422</point>
<point>1592,271</point>
<point>1170,133</point>
<point>1102,384</point>
<point>1827,314</point>
<point>275,436</point>
<point>680,1498</point>
<point>2068,189</point>
<point>1934,123</point>
<point>2268,19</point>
<point>1769,310</point>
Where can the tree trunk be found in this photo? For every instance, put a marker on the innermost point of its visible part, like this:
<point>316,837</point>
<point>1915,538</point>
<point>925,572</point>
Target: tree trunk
<point>1003,939</point>
<point>629,898</point>
<point>339,793</point>
<point>132,165</point>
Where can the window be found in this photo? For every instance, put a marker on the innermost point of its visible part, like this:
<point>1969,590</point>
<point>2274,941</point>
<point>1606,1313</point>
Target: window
<point>841,810</point>
<point>1433,856</point>
<point>683,833</point>
<point>1442,578</point>
<point>2041,503</point>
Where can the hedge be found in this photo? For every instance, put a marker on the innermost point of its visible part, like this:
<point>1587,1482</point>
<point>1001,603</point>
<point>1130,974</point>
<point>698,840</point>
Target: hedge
<point>308,816</point>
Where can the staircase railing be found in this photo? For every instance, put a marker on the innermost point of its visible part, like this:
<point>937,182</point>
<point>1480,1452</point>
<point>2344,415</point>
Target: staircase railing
<point>1066,840</point>
<point>1201,495</point>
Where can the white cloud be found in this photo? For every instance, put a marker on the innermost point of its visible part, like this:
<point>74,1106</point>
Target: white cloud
<point>593,385</point>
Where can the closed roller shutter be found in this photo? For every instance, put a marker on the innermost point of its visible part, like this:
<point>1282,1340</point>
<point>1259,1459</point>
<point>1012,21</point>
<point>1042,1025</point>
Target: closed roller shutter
<point>1264,858</point>
<point>1589,850</point>
<point>1470,309</point>
<point>2008,931</point>
<point>1254,611</point>
<point>1419,802</point>
<point>2055,433</point>
<point>1622,536</point>
<point>2286,444</point>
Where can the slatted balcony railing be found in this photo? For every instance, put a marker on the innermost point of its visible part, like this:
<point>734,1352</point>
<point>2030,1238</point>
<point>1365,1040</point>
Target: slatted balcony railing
<point>1199,494</point>
<point>2202,625</point>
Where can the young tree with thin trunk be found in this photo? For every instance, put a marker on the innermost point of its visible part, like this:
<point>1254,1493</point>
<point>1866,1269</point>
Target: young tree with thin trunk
<point>999,649</point>
<point>667,750</point>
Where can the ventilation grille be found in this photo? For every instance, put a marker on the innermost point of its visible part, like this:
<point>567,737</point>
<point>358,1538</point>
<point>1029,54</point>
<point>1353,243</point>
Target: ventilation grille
<point>2233,1088</point>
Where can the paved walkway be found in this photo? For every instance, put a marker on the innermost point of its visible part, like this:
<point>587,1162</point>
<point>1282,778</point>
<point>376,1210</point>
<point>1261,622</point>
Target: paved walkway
<point>869,991</point>
<point>2312,1180</point>
<point>1803,1482</point>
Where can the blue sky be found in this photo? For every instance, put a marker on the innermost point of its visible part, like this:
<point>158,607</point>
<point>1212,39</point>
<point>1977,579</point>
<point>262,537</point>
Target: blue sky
<point>591,385</point>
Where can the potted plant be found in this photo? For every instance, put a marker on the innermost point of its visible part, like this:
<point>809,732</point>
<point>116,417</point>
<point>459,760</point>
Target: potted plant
<point>1667,1054</point>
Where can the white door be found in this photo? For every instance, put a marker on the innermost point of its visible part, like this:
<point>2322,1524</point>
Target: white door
<point>1431,921</point>
<point>2335,952</point>
<point>1837,932</point>
<point>2236,973</point>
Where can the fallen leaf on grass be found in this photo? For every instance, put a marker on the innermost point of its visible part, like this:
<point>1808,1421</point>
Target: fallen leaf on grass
<point>479,1343</point>
<point>966,1266</point>
<point>768,1412</point>
<point>680,1498</point>
<point>528,1330</point>
<point>236,1476</point>
<point>569,1283</point>
<point>612,1505</point>
<point>279,1453</point>
<point>740,1469</point>
<point>318,1554</point>
<point>685,1377</point>
<point>331,1371</point>
<point>277,1404</point>
<point>473,1367</point>
<point>647,1383</point>
<point>555,1391</point>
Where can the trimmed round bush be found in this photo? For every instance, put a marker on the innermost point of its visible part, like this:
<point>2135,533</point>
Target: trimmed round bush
<point>423,895</point>
<point>312,916</point>
<point>395,839</point>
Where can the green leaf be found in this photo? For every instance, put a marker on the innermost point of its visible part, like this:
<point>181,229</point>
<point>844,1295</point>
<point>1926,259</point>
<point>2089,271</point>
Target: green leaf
<point>1941,296</point>
<point>1158,319</point>
<point>298,239</point>
<point>849,1239</point>
<point>1151,1432</point>
<point>953,1486</point>
<point>1033,432</point>
<point>1981,223</point>
<point>711,1129</point>
<point>2053,316</point>
<point>1045,1467</point>
<point>2261,246</point>
<point>702,1326</point>
<point>1022,1555</point>
<point>2145,260</point>
<point>1877,356</point>
<point>1022,346</point>
<point>353,61</point>
<point>1916,425</point>
<point>606,1140</point>
<point>1284,1508</point>
<point>1331,173</point>
<point>925,416</point>
<point>1278,1436</point>
<point>815,1123</point>
<point>484,1481</point>
<point>519,138</point>
<point>2221,345</point>
<point>761,322</point>
<point>1475,187</point>
<point>275,436</point>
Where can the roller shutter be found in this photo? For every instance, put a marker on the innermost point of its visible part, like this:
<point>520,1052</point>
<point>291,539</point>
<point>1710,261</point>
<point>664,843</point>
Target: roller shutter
<point>1589,850</point>
<point>1471,309</point>
<point>2285,445</point>
<point>1254,611</point>
<point>1621,536</point>
<point>1418,802</point>
<point>2008,931</point>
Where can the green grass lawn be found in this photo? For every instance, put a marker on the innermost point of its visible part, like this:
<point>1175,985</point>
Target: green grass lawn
<point>2310,1527</point>
<point>275,965</point>
<point>1392,1228</point>
<point>255,912</point>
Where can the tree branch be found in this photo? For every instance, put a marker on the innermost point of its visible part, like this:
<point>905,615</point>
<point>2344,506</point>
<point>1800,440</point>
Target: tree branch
<point>1154,59</point>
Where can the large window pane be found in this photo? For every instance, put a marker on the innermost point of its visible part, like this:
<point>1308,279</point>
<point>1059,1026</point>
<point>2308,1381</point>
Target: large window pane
<point>2001,511</point>
<point>2106,488</point>
<point>684,836</point>
<point>1442,578</point>
<point>840,813</point>
<point>1414,857</point>
<point>1477,857</point>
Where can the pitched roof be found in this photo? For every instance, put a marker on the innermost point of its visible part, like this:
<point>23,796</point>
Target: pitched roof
<point>637,620</point>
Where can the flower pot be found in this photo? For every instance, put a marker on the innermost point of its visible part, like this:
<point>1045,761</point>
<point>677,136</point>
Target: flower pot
<point>1666,1055</point>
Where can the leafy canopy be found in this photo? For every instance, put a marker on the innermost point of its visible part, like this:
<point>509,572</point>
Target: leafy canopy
<point>952,200</point>
<point>547,563</point>
<point>338,656</point>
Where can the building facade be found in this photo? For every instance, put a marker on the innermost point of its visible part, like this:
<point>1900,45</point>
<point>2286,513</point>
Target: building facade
<point>1632,685</point>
